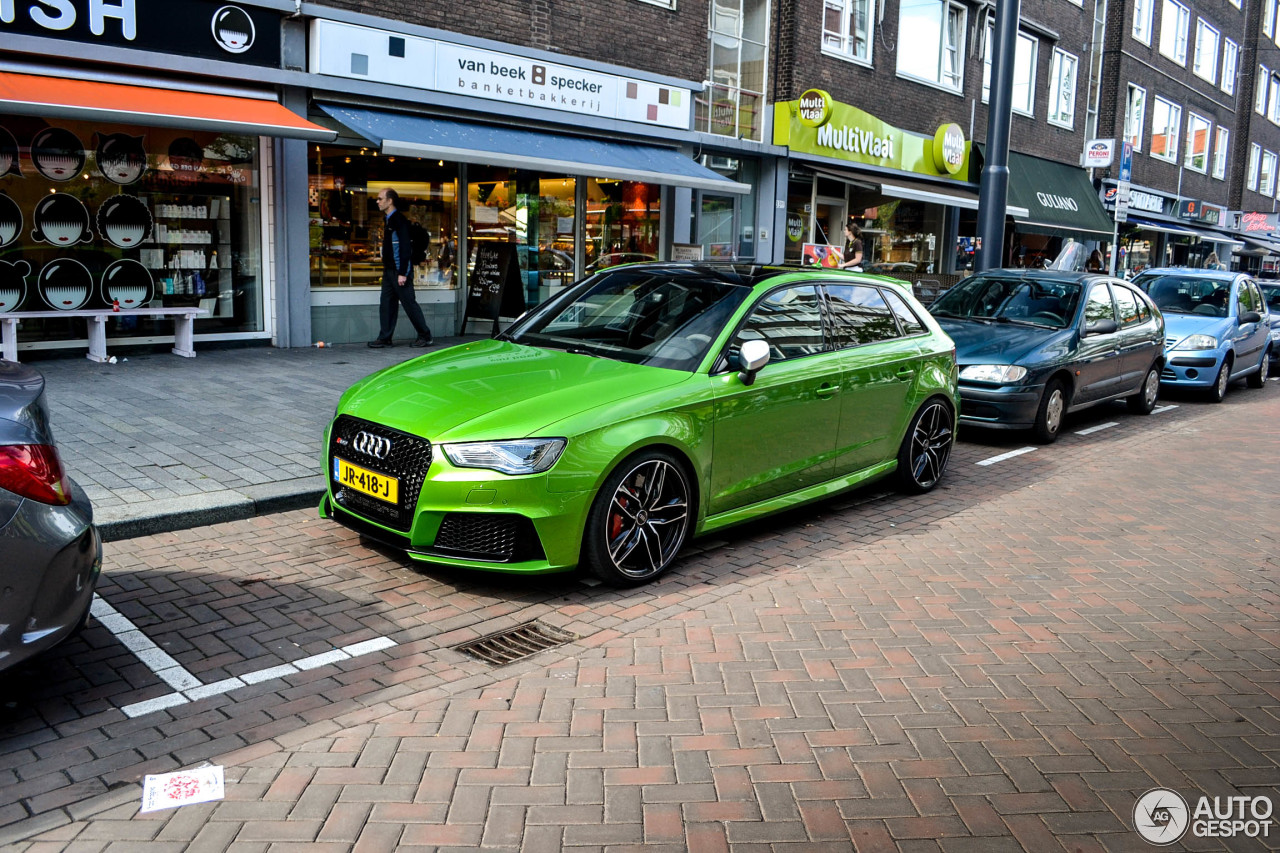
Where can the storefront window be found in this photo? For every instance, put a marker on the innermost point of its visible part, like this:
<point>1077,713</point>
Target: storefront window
<point>799,208</point>
<point>346,226</point>
<point>622,223</point>
<point>95,215</point>
<point>899,236</point>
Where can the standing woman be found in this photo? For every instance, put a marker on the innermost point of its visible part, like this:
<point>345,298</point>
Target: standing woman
<point>852,247</point>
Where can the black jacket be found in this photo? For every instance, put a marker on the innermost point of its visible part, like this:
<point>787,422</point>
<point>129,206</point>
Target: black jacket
<point>397,250</point>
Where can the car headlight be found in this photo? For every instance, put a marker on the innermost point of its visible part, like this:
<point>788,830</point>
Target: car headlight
<point>1000,374</point>
<point>1198,342</point>
<point>519,456</point>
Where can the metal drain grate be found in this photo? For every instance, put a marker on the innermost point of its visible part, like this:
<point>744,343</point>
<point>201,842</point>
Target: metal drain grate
<point>516,643</point>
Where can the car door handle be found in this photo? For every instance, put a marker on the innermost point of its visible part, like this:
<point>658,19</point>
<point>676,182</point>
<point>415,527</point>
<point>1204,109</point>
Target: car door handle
<point>827,390</point>
<point>905,374</point>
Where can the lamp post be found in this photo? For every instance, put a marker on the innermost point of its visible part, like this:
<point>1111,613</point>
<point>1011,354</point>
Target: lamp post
<point>994,187</point>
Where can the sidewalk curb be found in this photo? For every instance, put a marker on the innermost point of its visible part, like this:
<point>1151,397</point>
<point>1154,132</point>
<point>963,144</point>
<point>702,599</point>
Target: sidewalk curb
<point>166,516</point>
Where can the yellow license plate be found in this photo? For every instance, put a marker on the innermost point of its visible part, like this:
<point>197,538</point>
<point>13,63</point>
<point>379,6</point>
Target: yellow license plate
<point>366,482</point>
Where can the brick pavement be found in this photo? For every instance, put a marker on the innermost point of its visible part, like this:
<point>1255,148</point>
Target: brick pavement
<point>1004,664</point>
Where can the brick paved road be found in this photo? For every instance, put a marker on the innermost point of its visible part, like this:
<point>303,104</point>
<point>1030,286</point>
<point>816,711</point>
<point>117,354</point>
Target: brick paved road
<point>1004,664</point>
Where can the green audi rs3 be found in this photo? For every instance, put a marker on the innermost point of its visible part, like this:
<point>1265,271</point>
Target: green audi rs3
<point>644,405</point>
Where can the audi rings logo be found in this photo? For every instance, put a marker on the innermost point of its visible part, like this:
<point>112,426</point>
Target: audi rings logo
<point>1161,816</point>
<point>372,445</point>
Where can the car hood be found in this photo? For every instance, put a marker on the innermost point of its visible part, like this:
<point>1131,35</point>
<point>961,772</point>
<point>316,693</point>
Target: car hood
<point>996,343</point>
<point>1179,326</point>
<point>496,389</point>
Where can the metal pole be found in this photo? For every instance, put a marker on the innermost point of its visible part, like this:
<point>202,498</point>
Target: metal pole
<point>994,189</point>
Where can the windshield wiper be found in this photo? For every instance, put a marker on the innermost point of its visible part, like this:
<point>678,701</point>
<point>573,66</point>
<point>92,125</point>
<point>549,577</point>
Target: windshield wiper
<point>1020,322</point>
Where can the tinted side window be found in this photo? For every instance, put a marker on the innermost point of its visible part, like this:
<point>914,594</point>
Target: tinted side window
<point>1099,305</point>
<point>859,315</point>
<point>907,318</point>
<point>789,320</point>
<point>1127,304</point>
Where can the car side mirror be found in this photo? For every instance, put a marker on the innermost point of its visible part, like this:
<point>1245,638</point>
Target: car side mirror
<point>1100,327</point>
<point>1250,317</point>
<point>753,356</point>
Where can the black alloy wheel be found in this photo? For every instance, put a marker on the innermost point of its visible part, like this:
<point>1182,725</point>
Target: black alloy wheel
<point>639,520</point>
<point>1053,408</point>
<point>1144,402</point>
<point>926,448</point>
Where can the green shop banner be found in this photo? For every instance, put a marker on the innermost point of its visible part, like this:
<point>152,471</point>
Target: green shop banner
<point>820,125</point>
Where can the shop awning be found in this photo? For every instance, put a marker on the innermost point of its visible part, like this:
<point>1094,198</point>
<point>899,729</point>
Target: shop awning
<point>91,100</point>
<point>957,195</point>
<point>1259,246</point>
<point>1058,198</point>
<point>1184,231</point>
<point>520,148</point>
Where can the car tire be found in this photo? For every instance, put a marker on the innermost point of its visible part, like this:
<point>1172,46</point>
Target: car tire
<point>1050,414</point>
<point>639,520</point>
<point>1258,379</point>
<point>1144,402</point>
<point>926,448</point>
<point>1218,391</point>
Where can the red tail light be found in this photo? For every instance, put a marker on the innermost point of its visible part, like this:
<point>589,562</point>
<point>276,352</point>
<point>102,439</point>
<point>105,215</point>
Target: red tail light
<point>34,471</point>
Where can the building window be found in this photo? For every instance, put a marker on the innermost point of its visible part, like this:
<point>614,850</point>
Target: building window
<point>1260,90</point>
<point>846,29</point>
<point>1134,114</point>
<point>1230,56</point>
<point>1062,89</point>
<point>1175,21</point>
<point>1267,179</point>
<point>1273,98</point>
<point>1269,18</point>
<point>1220,153</point>
<point>936,52</point>
<point>1166,118</point>
<point>1142,10</point>
<point>1198,128</point>
<point>1024,72</point>
<point>1251,176</point>
<point>1205,64</point>
<point>734,102</point>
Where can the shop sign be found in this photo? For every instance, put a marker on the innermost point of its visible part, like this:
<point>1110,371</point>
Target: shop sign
<point>209,29</point>
<point>724,116</point>
<point>1139,200</point>
<point>1259,223</point>
<point>383,56</point>
<point>1098,153</point>
<point>818,124</point>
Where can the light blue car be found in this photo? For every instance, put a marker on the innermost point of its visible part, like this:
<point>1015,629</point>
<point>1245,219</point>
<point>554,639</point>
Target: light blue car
<point>1217,328</point>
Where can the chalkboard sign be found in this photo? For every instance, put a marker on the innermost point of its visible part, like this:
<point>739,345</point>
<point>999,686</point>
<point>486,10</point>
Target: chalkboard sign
<point>494,287</point>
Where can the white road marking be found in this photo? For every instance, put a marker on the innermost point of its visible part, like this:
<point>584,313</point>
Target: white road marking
<point>1003,456</point>
<point>188,688</point>
<point>1098,428</point>
<point>156,658</point>
<point>1157,411</point>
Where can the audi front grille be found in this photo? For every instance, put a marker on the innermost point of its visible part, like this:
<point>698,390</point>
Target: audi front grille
<point>407,459</point>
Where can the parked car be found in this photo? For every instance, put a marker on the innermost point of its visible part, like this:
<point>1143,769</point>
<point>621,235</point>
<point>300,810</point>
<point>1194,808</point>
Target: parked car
<point>1219,329</point>
<point>1271,294</point>
<point>1033,345</point>
<point>50,551</point>
<point>644,405</point>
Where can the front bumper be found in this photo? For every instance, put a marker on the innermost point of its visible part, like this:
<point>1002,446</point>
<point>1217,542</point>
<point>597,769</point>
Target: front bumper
<point>465,517</point>
<point>1000,406</point>
<point>53,561</point>
<point>1191,368</point>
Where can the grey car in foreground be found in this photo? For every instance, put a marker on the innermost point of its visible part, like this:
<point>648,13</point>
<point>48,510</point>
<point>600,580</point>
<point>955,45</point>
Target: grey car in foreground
<point>50,552</point>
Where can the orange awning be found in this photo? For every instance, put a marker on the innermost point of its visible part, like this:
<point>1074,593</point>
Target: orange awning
<point>60,97</point>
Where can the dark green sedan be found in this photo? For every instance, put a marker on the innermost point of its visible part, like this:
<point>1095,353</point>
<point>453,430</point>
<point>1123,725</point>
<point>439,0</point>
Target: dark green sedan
<point>642,406</point>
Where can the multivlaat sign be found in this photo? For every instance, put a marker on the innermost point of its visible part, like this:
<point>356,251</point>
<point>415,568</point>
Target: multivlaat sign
<point>818,124</point>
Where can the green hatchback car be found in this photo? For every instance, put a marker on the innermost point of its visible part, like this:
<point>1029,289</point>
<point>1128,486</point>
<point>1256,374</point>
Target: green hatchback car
<point>644,405</point>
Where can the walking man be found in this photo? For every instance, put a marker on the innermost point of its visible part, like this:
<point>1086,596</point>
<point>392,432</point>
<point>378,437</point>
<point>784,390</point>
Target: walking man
<point>397,276</point>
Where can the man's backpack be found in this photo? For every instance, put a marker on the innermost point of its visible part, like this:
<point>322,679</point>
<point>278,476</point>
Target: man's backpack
<point>419,243</point>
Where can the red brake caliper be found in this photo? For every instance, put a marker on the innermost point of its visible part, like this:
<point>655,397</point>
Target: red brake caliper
<point>615,523</point>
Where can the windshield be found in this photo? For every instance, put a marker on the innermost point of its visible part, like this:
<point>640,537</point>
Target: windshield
<point>663,318</point>
<point>1185,294</point>
<point>1024,299</point>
